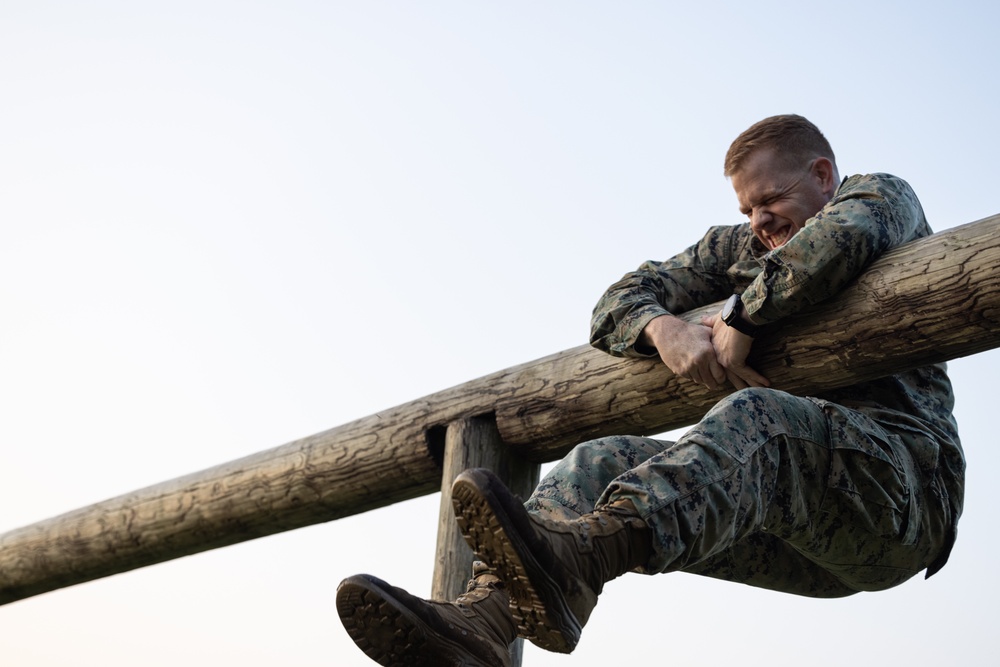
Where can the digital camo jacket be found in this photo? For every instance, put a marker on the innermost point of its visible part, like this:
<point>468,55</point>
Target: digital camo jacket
<point>868,215</point>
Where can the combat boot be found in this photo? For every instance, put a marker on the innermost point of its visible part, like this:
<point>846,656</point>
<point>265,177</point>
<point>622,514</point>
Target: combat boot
<point>553,570</point>
<point>395,628</point>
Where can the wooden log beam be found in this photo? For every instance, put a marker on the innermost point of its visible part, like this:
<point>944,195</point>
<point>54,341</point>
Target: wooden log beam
<point>933,300</point>
<point>923,303</point>
<point>326,476</point>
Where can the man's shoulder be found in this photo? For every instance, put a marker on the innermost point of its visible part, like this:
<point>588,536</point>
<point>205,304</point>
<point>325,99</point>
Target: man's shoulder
<point>887,197</point>
<point>878,183</point>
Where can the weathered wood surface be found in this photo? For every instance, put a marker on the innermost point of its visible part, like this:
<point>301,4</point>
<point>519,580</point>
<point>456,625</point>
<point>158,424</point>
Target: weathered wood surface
<point>926,302</point>
<point>473,443</point>
<point>326,476</point>
<point>933,300</point>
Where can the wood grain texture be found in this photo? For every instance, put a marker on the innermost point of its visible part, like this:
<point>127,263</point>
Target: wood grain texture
<point>926,302</point>
<point>473,443</point>
<point>929,301</point>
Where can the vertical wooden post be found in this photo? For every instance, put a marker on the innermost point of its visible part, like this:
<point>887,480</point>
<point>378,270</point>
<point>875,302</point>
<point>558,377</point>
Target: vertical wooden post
<point>473,443</point>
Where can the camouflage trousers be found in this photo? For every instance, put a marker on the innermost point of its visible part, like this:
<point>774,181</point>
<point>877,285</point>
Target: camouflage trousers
<point>772,490</point>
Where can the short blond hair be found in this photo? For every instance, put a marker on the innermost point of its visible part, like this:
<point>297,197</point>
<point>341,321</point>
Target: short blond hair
<point>794,140</point>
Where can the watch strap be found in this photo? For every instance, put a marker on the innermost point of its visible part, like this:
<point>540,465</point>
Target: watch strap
<point>738,323</point>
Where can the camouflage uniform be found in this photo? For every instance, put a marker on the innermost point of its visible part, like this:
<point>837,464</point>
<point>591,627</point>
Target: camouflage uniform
<point>857,489</point>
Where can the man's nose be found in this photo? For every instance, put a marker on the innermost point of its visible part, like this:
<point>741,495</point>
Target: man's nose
<point>759,217</point>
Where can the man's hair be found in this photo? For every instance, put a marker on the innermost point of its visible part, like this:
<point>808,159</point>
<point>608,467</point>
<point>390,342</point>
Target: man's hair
<point>793,139</point>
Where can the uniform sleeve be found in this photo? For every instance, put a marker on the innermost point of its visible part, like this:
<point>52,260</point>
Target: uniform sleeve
<point>867,216</point>
<point>696,277</point>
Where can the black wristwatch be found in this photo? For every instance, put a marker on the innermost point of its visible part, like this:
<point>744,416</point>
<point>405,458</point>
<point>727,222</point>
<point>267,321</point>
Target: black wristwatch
<point>731,316</point>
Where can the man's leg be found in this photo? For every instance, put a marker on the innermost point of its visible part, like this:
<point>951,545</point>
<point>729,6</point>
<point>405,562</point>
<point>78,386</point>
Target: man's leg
<point>838,495</point>
<point>554,568</point>
<point>573,487</point>
<point>395,628</point>
<point>820,487</point>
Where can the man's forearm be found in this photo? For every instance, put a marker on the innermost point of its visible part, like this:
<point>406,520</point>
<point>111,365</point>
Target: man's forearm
<point>662,328</point>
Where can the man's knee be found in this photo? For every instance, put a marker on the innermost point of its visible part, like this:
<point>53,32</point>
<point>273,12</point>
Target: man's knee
<point>610,456</point>
<point>763,399</point>
<point>578,481</point>
<point>765,412</point>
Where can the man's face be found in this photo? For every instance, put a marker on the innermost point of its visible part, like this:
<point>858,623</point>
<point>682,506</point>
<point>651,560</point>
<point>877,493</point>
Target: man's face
<point>779,200</point>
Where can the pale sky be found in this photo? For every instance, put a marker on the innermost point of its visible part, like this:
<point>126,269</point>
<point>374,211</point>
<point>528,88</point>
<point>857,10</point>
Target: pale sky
<point>228,225</point>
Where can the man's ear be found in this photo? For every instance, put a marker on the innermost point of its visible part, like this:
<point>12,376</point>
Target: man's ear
<point>825,174</point>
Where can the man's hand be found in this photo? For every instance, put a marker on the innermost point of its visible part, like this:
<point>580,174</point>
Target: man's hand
<point>686,349</point>
<point>732,349</point>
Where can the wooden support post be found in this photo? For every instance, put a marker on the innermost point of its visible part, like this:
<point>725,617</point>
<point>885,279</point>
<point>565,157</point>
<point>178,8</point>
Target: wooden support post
<point>473,443</point>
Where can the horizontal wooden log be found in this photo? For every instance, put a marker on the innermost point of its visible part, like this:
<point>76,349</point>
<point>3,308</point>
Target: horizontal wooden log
<point>926,302</point>
<point>936,299</point>
<point>326,476</point>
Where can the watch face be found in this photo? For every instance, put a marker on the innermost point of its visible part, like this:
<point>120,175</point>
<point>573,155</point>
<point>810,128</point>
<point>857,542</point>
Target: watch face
<point>729,309</point>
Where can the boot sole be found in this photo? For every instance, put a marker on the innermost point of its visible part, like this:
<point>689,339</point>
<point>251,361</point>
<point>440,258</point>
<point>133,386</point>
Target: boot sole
<point>495,528</point>
<point>392,635</point>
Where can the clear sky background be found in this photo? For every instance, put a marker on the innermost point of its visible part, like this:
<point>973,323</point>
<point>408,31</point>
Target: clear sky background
<point>228,225</point>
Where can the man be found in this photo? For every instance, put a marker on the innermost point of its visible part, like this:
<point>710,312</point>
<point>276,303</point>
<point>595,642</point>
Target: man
<point>855,490</point>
